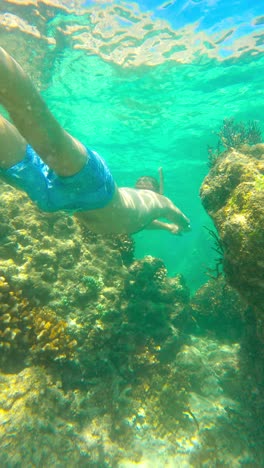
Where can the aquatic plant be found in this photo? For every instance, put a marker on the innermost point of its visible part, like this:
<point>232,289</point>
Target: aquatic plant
<point>217,270</point>
<point>214,153</point>
<point>234,134</point>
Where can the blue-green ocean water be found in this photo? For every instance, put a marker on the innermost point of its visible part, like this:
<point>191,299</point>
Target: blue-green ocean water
<point>140,117</point>
<point>148,84</point>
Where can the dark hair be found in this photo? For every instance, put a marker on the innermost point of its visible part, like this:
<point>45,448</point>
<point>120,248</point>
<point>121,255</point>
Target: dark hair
<point>148,183</point>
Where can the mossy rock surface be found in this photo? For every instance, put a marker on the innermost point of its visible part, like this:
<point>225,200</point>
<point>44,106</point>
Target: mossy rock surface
<point>233,195</point>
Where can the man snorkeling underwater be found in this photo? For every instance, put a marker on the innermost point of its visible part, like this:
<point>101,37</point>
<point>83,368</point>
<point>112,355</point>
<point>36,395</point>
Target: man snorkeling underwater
<point>59,173</point>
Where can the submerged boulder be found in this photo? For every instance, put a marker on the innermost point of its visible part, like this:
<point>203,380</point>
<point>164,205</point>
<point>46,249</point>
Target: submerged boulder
<point>233,195</point>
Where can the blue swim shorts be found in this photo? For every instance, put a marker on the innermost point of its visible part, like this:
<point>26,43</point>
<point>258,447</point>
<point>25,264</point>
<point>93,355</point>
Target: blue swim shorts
<point>91,188</point>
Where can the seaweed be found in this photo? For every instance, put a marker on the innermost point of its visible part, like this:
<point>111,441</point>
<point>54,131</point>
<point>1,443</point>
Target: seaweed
<point>234,134</point>
<point>217,271</point>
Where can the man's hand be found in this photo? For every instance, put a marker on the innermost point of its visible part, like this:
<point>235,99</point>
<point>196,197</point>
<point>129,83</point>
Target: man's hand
<point>174,229</point>
<point>170,227</point>
<point>177,230</point>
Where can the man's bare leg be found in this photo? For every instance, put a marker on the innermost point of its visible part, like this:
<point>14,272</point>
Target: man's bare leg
<point>31,116</point>
<point>12,144</point>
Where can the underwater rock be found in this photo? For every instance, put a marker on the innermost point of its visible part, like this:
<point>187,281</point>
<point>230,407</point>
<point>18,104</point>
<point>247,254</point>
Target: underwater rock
<point>233,195</point>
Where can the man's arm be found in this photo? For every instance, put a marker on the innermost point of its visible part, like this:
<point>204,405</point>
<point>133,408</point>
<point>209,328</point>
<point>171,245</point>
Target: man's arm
<point>160,225</point>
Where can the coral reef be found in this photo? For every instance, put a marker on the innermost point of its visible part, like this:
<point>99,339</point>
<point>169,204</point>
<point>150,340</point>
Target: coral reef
<point>148,279</point>
<point>111,361</point>
<point>146,276</point>
<point>14,317</point>
<point>36,423</point>
<point>183,416</point>
<point>218,310</point>
<point>126,246</point>
<point>106,362</point>
<point>38,257</point>
<point>49,337</point>
<point>31,333</point>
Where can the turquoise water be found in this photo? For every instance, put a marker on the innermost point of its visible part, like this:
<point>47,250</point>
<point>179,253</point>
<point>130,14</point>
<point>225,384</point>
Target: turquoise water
<point>108,363</point>
<point>146,92</point>
<point>148,84</point>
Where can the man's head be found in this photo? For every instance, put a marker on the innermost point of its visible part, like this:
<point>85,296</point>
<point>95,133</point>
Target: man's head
<point>148,183</point>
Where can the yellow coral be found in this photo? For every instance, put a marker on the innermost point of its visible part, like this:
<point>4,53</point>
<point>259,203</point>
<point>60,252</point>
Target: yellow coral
<point>36,332</point>
<point>51,337</point>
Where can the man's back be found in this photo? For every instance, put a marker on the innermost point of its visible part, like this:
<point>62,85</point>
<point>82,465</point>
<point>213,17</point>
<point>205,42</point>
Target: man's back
<point>132,210</point>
